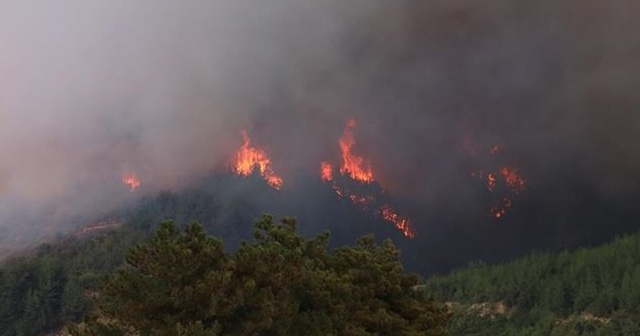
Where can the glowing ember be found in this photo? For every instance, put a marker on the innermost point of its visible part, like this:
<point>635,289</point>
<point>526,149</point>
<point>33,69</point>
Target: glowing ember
<point>504,182</point>
<point>353,165</point>
<point>338,191</point>
<point>363,201</point>
<point>499,209</point>
<point>498,212</point>
<point>491,182</point>
<point>403,224</point>
<point>513,179</point>
<point>131,181</point>
<point>249,158</point>
<point>326,171</point>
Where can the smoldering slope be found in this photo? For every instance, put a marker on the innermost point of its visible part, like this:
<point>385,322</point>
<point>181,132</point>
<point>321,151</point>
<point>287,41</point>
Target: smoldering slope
<point>91,91</point>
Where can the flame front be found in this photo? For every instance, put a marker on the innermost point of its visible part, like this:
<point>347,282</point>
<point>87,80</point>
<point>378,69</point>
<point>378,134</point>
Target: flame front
<point>356,168</point>
<point>403,224</point>
<point>131,181</point>
<point>353,165</point>
<point>249,158</point>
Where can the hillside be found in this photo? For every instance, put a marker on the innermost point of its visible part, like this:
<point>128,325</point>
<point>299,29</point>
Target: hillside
<point>591,291</point>
<point>50,285</point>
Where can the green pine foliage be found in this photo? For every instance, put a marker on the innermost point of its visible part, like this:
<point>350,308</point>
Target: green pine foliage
<point>42,291</point>
<point>52,285</point>
<point>592,291</point>
<point>183,283</point>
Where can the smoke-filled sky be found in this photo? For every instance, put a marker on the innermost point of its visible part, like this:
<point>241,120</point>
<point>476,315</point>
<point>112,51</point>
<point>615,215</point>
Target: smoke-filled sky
<point>91,90</point>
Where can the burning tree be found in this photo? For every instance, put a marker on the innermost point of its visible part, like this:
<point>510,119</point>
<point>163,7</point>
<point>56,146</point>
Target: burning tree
<point>356,169</point>
<point>131,181</point>
<point>249,158</point>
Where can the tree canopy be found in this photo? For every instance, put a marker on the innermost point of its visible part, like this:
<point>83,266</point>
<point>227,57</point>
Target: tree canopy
<point>591,291</point>
<point>183,283</point>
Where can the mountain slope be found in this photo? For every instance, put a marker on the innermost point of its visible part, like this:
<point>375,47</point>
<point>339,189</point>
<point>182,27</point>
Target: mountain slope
<point>591,291</point>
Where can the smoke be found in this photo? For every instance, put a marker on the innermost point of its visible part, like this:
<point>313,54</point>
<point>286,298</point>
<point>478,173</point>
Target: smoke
<point>91,91</point>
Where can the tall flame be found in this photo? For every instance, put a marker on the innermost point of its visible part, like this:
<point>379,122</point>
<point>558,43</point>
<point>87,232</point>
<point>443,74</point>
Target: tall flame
<point>356,168</point>
<point>352,164</point>
<point>248,158</point>
<point>131,181</point>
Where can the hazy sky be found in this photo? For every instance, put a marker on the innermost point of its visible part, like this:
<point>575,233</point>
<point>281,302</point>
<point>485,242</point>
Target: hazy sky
<point>91,90</point>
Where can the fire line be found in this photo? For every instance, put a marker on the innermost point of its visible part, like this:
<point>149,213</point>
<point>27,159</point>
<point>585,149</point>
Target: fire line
<point>358,169</point>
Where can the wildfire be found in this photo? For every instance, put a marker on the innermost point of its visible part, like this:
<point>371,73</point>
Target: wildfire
<point>249,158</point>
<point>499,209</point>
<point>491,182</point>
<point>353,165</point>
<point>363,201</point>
<point>505,181</point>
<point>326,171</point>
<point>403,224</point>
<point>498,212</point>
<point>131,181</point>
<point>356,168</point>
<point>513,179</point>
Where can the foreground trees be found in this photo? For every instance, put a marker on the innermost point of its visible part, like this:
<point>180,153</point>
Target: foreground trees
<point>590,291</point>
<point>182,283</point>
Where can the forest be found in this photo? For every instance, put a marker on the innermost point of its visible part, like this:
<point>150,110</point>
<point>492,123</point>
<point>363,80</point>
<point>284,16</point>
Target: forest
<point>590,291</point>
<point>57,283</point>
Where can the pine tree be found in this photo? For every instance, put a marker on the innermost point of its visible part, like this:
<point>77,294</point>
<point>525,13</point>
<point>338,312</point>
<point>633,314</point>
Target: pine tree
<point>182,283</point>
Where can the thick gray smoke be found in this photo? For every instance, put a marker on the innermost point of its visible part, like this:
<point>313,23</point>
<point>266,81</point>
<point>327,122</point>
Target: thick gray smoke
<point>90,91</point>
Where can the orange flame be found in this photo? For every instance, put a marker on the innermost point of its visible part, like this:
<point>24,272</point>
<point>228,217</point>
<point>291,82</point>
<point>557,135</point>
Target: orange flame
<point>358,169</point>
<point>498,212</point>
<point>249,158</point>
<point>403,224</point>
<point>351,163</point>
<point>326,171</point>
<point>131,181</point>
